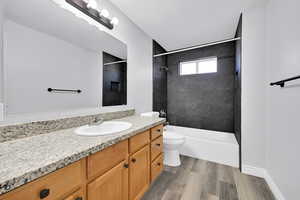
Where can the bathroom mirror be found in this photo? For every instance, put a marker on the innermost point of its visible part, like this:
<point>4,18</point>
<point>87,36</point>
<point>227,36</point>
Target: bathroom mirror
<point>55,60</point>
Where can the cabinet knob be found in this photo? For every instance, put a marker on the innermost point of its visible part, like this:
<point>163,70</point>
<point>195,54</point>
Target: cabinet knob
<point>44,193</point>
<point>79,198</point>
<point>158,145</point>
<point>158,130</point>
<point>133,160</point>
<point>158,164</point>
<point>126,165</point>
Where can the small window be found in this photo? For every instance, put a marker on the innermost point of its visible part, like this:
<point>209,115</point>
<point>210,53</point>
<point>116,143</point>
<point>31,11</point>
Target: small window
<point>202,66</point>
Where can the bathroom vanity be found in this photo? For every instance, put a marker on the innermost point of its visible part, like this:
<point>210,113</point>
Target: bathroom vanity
<point>41,156</point>
<point>119,167</point>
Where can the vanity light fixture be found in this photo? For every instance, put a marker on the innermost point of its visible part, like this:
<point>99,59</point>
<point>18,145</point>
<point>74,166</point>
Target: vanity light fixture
<point>92,4</point>
<point>90,9</point>
<point>114,21</point>
<point>104,13</point>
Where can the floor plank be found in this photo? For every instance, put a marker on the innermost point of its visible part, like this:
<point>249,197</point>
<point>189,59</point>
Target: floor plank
<point>203,180</point>
<point>228,191</point>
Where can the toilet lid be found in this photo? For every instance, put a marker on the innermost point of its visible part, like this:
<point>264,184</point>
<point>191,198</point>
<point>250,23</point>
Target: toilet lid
<point>172,135</point>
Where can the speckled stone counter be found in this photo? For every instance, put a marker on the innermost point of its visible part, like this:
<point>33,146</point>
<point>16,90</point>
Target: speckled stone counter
<point>27,159</point>
<point>23,130</point>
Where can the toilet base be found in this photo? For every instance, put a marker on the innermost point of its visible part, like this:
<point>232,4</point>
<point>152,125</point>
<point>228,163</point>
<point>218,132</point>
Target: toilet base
<point>172,158</point>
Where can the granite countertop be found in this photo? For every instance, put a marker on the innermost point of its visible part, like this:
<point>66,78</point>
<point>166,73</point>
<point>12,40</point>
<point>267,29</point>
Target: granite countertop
<point>25,160</point>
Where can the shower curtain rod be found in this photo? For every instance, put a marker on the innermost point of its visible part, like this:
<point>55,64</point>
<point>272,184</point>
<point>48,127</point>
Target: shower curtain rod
<point>111,63</point>
<point>197,47</point>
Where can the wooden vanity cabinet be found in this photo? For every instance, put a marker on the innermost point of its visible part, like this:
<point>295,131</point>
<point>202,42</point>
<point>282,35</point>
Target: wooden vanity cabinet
<point>139,141</point>
<point>55,186</point>
<point>78,195</point>
<point>156,148</point>
<point>99,163</point>
<point>156,167</point>
<point>113,185</point>
<point>156,151</point>
<point>139,173</point>
<point>123,171</point>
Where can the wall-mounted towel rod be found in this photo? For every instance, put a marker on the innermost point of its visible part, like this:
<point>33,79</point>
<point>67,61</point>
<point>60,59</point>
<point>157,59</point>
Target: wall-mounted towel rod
<point>282,82</point>
<point>111,63</point>
<point>198,46</point>
<point>63,90</point>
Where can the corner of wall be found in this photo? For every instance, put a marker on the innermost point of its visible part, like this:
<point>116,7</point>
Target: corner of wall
<point>263,173</point>
<point>254,88</point>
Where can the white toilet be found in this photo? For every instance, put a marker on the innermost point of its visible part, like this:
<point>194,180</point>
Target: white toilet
<point>172,143</point>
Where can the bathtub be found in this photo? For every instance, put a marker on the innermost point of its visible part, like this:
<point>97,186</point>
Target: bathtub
<point>219,147</point>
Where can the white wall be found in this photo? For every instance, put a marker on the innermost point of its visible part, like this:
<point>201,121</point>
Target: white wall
<point>1,53</point>
<point>254,88</point>
<point>35,61</point>
<point>139,48</point>
<point>270,115</point>
<point>283,135</point>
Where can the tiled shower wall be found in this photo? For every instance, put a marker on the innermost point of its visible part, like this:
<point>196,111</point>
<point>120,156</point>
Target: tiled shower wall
<point>159,79</point>
<point>237,93</point>
<point>204,101</point>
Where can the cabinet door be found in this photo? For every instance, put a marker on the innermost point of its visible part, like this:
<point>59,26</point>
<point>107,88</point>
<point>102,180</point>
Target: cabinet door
<point>139,173</point>
<point>156,167</point>
<point>113,185</point>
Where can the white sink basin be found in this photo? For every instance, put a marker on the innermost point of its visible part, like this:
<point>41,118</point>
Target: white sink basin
<point>106,128</point>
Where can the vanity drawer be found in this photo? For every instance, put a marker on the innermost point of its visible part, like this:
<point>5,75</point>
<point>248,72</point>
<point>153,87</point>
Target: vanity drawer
<point>156,147</point>
<point>139,141</point>
<point>156,167</point>
<point>157,132</point>
<point>53,186</point>
<point>101,162</point>
<point>78,195</point>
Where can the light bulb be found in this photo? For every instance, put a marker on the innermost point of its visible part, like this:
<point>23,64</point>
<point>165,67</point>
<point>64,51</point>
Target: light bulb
<point>92,4</point>
<point>104,13</point>
<point>114,21</point>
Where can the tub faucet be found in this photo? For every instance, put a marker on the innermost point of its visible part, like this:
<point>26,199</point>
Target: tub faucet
<point>162,114</point>
<point>96,122</point>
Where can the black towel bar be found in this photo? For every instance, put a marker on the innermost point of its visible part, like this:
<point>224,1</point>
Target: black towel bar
<point>63,90</point>
<point>282,82</point>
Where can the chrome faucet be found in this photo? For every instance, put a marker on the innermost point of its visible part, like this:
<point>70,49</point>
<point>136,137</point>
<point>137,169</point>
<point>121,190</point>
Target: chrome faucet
<point>97,121</point>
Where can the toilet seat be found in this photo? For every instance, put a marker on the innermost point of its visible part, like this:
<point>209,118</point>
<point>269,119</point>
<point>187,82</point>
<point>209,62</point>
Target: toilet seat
<point>170,137</point>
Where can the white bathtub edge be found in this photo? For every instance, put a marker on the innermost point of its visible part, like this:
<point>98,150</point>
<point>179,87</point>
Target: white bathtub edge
<point>209,145</point>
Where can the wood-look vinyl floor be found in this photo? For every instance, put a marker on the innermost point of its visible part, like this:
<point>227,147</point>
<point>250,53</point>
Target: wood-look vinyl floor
<point>203,180</point>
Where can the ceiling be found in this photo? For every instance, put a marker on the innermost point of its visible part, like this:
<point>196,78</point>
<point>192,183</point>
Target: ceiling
<point>46,16</point>
<point>183,23</point>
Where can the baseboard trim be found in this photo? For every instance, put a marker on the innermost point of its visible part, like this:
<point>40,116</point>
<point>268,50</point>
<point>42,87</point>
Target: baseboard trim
<point>277,193</point>
<point>263,173</point>
<point>253,171</point>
